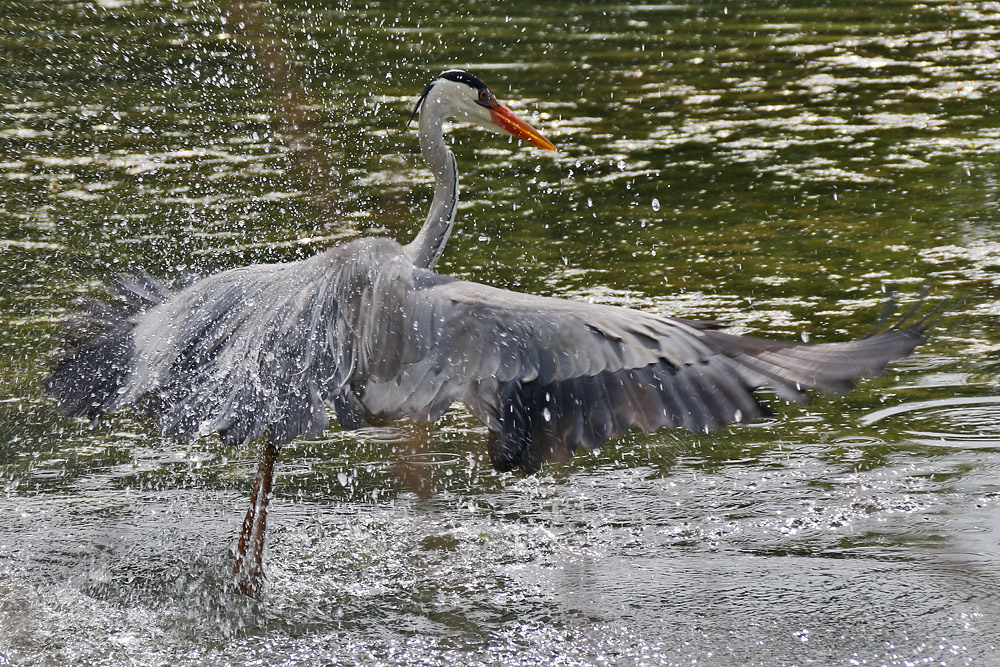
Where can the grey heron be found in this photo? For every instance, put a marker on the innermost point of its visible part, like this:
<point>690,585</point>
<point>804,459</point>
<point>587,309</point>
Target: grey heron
<point>370,331</point>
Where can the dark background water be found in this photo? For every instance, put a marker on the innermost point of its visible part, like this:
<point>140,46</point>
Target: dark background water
<point>776,165</point>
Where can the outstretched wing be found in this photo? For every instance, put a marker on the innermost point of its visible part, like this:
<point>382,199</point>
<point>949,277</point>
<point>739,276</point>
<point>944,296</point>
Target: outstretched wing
<point>252,350</point>
<point>549,375</point>
<point>264,349</point>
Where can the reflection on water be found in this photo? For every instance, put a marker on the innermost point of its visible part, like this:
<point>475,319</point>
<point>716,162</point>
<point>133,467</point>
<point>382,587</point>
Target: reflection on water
<point>774,166</point>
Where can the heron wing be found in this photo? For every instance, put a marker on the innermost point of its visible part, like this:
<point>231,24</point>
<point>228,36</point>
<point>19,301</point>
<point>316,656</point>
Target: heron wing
<point>243,352</point>
<point>264,349</point>
<point>549,375</point>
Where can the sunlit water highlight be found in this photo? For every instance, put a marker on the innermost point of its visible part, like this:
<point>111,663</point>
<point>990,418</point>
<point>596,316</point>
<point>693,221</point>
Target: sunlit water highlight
<point>773,166</point>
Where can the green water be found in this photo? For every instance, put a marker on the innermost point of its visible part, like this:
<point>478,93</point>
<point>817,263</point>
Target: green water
<point>773,165</point>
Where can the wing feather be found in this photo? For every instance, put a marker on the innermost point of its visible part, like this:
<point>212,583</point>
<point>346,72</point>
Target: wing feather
<point>548,375</point>
<point>245,352</point>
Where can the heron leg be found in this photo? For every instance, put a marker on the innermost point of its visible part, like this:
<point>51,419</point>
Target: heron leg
<point>248,573</point>
<point>415,478</point>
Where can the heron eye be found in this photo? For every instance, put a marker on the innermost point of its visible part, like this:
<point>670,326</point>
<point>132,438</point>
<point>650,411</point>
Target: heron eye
<point>484,95</point>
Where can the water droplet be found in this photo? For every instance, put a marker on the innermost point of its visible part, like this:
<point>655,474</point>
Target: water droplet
<point>656,204</point>
<point>546,414</point>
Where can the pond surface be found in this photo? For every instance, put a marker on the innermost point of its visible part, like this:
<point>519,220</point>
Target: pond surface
<point>776,165</point>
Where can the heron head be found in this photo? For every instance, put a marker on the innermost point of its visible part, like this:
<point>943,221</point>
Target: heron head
<point>466,98</point>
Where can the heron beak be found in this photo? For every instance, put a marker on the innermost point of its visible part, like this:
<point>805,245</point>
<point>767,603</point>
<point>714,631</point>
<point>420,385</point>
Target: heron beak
<point>505,119</point>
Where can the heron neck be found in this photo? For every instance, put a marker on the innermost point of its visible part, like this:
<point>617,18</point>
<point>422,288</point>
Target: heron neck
<point>426,248</point>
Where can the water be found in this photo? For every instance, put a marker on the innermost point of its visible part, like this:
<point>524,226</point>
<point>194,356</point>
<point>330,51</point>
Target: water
<point>772,165</point>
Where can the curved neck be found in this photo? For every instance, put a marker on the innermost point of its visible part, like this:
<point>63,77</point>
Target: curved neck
<point>426,248</point>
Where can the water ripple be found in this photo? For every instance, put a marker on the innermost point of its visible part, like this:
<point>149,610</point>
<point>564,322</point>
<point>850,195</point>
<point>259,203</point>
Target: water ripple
<point>972,422</point>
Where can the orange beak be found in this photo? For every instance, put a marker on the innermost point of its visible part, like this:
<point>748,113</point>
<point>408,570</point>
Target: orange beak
<point>508,122</point>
